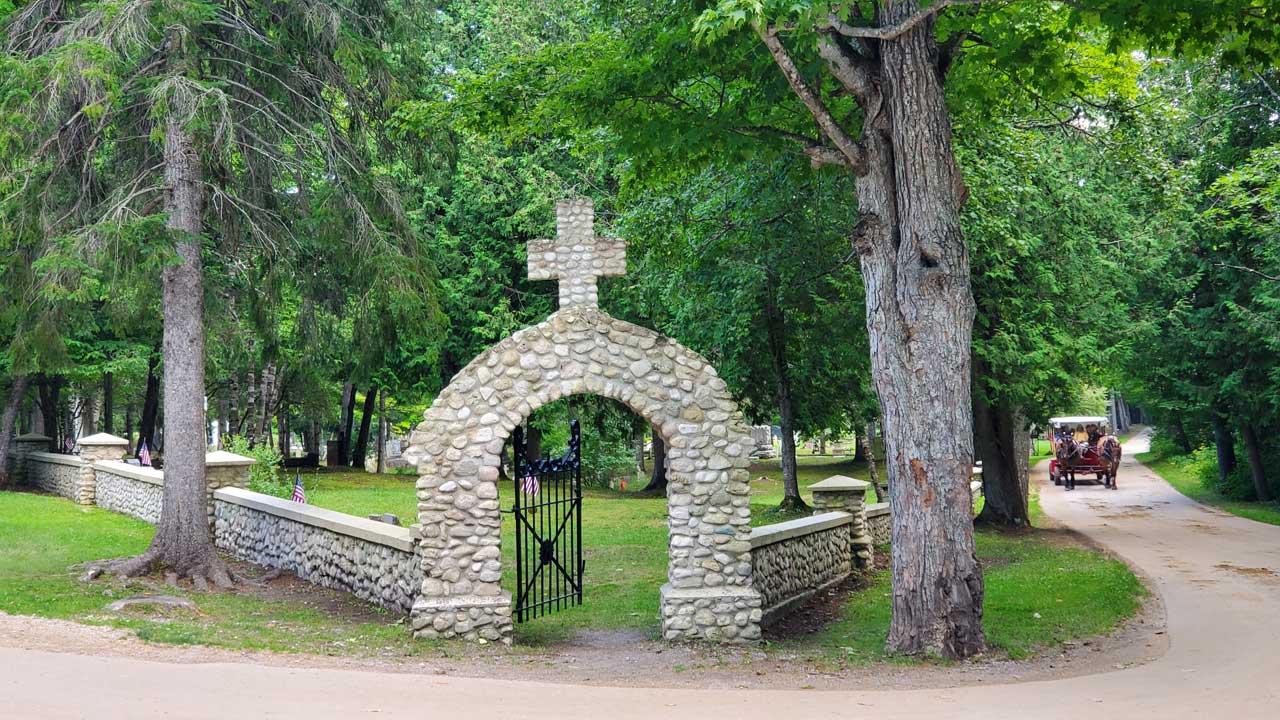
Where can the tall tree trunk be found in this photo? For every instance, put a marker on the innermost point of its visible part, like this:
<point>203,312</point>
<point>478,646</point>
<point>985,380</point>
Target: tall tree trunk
<point>915,266</point>
<point>108,403</point>
<point>49,389</point>
<point>128,427</point>
<point>344,422</point>
<point>882,490</point>
<point>233,406</point>
<point>267,399</point>
<point>776,336</point>
<point>532,443</point>
<point>637,432</point>
<point>150,406</point>
<point>860,447</point>
<point>366,421</point>
<point>1254,452</point>
<point>995,432</point>
<point>658,480</point>
<point>1180,435</point>
<point>11,404</point>
<point>88,415</point>
<point>182,543</point>
<point>250,421</point>
<point>1225,445</point>
<point>282,428</point>
<point>381,466</point>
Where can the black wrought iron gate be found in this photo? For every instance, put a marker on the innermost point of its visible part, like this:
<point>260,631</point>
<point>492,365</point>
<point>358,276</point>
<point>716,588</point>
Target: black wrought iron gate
<point>548,513</point>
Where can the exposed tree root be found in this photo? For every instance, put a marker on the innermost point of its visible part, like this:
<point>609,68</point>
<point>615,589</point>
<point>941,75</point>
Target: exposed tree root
<point>792,505</point>
<point>210,570</point>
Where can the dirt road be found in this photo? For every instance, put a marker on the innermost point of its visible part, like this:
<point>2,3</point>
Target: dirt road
<point>1218,575</point>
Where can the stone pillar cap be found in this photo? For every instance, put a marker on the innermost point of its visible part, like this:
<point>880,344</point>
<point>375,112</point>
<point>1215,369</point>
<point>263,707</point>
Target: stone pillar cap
<point>222,458</point>
<point>103,439</point>
<point>838,483</point>
<point>32,437</point>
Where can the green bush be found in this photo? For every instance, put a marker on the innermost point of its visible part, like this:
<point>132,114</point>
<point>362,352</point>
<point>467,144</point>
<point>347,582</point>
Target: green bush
<point>264,477</point>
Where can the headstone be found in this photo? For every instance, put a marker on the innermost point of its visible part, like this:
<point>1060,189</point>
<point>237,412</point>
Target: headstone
<point>763,437</point>
<point>387,518</point>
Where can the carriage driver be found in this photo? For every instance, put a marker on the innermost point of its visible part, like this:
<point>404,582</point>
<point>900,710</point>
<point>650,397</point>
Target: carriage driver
<point>1094,433</point>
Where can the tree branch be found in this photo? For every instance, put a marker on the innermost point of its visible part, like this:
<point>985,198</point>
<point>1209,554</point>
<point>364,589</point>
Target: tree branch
<point>854,154</point>
<point>1242,268</point>
<point>818,153</point>
<point>893,32</point>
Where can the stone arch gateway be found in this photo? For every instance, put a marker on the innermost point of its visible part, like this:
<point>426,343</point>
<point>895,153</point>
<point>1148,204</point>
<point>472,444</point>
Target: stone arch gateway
<point>577,350</point>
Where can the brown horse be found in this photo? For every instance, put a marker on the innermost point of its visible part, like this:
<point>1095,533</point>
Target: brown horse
<point>1109,452</point>
<point>1069,453</point>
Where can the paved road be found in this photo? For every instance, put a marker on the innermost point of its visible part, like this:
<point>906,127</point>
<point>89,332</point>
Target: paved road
<point>1216,573</point>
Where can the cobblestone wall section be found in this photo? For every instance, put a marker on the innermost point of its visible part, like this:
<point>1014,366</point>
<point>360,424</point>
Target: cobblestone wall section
<point>371,560</point>
<point>130,490</point>
<point>54,473</point>
<point>795,559</point>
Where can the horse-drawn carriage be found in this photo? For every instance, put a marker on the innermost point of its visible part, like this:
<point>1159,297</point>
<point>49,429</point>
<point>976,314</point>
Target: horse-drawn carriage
<point>1082,446</point>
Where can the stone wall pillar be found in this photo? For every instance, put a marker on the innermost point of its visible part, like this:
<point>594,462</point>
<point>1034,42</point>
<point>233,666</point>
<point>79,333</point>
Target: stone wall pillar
<point>24,445</point>
<point>92,449</point>
<point>845,494</point>
<point>223,469</point>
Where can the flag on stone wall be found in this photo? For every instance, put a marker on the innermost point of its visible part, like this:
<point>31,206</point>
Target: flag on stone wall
<point>299,492</point>
<point>144,455</point>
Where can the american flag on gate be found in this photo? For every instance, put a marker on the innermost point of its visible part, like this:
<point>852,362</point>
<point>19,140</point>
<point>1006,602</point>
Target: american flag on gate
<point>144,455</point>
<point>529,485</point>
<point>299,493</point>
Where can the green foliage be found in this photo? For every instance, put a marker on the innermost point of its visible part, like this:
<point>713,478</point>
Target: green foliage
<point>264,475</point>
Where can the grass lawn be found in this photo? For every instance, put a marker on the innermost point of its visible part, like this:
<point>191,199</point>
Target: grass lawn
<point>42,538</point>
<point>1075,592</point>
<point>1184,480</point>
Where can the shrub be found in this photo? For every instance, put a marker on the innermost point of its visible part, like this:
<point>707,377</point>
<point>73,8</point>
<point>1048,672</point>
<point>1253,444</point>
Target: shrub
<point>264,476</point>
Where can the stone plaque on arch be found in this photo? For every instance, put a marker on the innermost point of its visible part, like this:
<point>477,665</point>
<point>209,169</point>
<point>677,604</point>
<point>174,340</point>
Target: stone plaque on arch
<point>581,350</point>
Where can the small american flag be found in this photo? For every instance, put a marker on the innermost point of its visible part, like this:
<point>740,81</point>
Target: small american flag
<point>299,493</point>
<point>529,485</point>
<point>144,455</point>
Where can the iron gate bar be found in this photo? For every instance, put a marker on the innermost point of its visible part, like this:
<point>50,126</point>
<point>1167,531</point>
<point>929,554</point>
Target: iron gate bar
<point>543,582</point>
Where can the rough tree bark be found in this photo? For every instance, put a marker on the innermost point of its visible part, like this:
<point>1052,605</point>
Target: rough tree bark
<point>7,421</point>
<point>182,544</point>
<point>915,266</point>
<point>88,416</point>
<point>1253,450</point>
<point>859,447</point>
<point>366,422</point>
<point>776,337</point>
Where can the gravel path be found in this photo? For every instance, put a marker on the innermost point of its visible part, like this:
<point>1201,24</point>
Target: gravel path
<point>1218,577</point>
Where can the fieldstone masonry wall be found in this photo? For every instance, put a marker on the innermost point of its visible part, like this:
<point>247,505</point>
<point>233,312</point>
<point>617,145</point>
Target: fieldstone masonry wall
<point>54,473</point>
<point>371,560</point>
<point>795,559</point>
<point>130,490</point>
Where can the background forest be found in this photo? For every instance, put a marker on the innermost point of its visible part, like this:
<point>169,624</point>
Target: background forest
<point>373,180</point>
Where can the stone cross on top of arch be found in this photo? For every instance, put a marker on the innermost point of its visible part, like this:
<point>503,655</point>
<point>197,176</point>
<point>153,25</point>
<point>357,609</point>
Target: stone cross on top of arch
<point>576,257</point>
